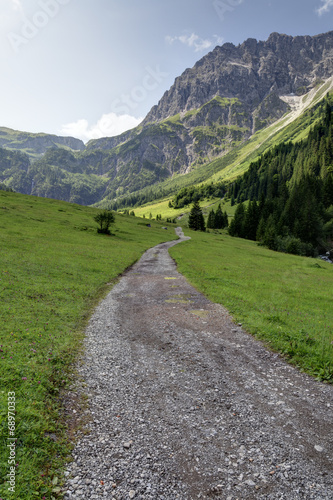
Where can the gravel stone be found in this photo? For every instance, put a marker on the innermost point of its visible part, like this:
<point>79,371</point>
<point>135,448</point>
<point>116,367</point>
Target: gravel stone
<point>207,411</point>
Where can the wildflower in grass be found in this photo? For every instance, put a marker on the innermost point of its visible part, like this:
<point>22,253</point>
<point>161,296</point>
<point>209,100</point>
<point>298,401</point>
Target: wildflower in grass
<point>24,378</point>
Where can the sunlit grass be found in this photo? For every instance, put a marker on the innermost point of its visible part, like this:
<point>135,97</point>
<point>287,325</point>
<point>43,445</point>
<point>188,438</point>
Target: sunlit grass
<point>54,268</point>
<point>284,300</point>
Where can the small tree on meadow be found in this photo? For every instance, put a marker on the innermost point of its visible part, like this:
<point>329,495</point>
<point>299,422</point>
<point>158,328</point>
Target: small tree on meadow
<point>196,219</point>
<point>104,219</point>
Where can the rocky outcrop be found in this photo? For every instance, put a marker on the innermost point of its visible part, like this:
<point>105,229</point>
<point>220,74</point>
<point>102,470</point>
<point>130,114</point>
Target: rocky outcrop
<point>225,98</point>
<point>228,95</point>
<point>250,72</point>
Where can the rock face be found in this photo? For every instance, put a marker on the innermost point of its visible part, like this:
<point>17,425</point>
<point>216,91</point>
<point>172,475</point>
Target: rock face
<point>212,108</point>
<point>226,97</point>
<point>251,72</point>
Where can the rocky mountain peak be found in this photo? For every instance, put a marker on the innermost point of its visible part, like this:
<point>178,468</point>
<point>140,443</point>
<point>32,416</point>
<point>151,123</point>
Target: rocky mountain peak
<point>250,72</point>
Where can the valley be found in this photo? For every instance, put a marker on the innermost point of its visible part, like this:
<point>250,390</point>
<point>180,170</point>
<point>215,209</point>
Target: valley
<point>56,269</point>
<point>223,342</point>
<point>219,115</point>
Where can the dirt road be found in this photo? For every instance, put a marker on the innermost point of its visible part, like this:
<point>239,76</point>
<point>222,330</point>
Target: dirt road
<point>184,404</point>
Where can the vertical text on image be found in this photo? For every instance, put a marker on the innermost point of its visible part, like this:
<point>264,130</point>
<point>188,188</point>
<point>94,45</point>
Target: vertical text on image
<point>11,476</point>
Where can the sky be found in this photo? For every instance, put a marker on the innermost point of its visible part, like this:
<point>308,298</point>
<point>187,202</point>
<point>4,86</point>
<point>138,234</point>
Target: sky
<point>94,68</point>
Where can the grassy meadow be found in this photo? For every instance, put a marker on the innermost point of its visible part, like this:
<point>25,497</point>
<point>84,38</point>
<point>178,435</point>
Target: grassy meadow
<point>54,269</point>
<point>162,208</point>
<point>282,299</point>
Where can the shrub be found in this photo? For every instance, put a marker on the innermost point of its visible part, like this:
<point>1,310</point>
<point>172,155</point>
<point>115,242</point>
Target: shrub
<point>104,219</point>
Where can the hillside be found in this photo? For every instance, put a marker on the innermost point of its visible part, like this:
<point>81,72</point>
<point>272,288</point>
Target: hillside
<point>216,114</point>
<point>35,145</point>
<point>293,183</point>
<point>293,127</point>
<point>54,270</point>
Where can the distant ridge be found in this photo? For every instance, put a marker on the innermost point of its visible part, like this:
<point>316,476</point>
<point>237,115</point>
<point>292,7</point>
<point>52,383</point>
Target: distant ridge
<point>36,144</point>
<point>212,110</point>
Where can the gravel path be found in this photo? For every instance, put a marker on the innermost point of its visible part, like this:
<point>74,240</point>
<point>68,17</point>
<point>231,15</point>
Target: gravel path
<point>184,404</point>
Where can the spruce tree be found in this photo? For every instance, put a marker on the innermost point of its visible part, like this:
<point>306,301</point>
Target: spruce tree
<point>236,227</point>
<point>196,219</point>
<point>219,218</point>
<point>211,220</point>
<point>225,220</point>
<point>328,189</point>
<point>251,221</point>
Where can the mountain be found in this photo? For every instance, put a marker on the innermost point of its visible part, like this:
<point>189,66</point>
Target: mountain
<point>257,74</point>
<point>35,145</point>
<point>232,96</point>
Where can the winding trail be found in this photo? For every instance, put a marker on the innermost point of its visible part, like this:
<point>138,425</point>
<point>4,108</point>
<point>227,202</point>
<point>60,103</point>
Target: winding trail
<point>183,404</point>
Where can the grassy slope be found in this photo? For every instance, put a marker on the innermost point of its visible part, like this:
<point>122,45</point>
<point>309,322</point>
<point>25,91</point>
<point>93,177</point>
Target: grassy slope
<point>280,131</point>
<point>237,161</point>
<point>161,207</point>
<point>283,299</point>
<point>15,140</point>
<point>54,266</point>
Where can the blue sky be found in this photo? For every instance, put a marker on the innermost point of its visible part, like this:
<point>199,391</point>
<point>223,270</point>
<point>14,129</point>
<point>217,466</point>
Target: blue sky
<point>94,68</point>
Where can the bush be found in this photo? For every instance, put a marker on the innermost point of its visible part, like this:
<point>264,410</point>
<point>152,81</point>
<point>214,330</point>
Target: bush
<point>293,245</point>
<point>104,219</point>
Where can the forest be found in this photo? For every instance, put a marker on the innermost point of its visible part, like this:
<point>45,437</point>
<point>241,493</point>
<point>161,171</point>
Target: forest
<point>290,193</point>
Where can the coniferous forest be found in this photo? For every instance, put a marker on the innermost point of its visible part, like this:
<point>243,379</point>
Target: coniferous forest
<point>290,193</point>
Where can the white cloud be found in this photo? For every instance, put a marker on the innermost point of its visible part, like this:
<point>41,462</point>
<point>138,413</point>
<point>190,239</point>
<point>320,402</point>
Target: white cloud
<point>327,5</point>
<point>11,5</point>
<point>16,4</point>
<point>109,125</point>
<point>195,41</point>
<point>9,12</point>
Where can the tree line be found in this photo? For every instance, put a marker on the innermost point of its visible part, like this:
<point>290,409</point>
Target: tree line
<point>215,220</point>
<point>191,194</point>
<point>290,193</point>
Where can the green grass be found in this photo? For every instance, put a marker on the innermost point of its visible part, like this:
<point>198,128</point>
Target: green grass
<point>284,300</point>
<point>162,207</point>
<point>237,161</point>
<point>54,269</point>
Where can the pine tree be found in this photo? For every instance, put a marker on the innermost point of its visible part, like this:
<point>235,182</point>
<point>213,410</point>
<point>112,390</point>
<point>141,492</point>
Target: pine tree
<point>219,218</point>
<point>270,233</point>
<point>211,220</point>
<point>251,221</point>
<point>196,219</point>
<point>261,230</point>
<point>328,189</point>
<point>236,227</point>
<point>225,220</point>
